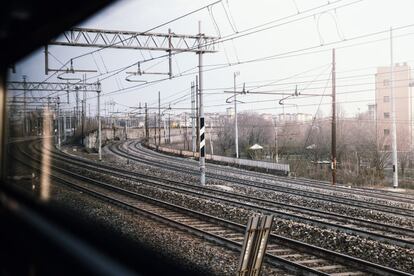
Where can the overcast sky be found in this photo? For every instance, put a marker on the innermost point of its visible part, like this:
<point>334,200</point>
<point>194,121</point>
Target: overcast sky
<point>319,30</point>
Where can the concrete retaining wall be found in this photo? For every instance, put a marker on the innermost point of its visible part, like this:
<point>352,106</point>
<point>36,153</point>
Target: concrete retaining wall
<point>91,140</point>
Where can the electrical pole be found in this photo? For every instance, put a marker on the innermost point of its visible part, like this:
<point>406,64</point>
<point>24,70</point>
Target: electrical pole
<point>64,126</point>
<point>106,114</point>
<point>46,60</point>
<point>186,130</point>
<point>24,107</point>
<point>276,144</point>
<point>202,128</point>
<point>159,118</point>
<point>84,112</point>
<point>99,123</point>
<point>77,107</point>
<point>70,122</point>
<point>146,123</point>
<point>126,127</point>
<point>211,138</point>
<point>126,135</point>
<point>169,126</point>
<point>155,128</point>
<point>394,127</point>
<point>197,116</point>
<point>169,55</point>
<point>333,146</point>
<point>193,115</point>
<point>58,121</point>
<point>164,124</point>
<point>82,121</point>
<point>236,130</point>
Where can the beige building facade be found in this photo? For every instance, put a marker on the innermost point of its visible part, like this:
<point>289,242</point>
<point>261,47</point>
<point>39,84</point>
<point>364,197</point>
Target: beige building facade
<point>403,107</point>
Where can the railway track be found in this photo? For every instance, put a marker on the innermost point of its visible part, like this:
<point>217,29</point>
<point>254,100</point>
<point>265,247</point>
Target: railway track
<point>293,256</point>
<point>325,185</point>
<point>399,236</point>
<point>374,230</point>
<point>145,157</point>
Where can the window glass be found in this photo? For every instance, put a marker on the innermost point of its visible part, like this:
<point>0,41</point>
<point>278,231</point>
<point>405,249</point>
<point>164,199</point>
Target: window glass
<point>225,109</point>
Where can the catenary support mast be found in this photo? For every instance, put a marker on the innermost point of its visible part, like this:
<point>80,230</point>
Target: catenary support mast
<point>202,127</point>
<point>393,126</point>
<point>333,146</point>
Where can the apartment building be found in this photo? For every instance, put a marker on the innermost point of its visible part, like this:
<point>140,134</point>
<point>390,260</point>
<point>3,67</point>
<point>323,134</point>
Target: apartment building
<point>403,106</point>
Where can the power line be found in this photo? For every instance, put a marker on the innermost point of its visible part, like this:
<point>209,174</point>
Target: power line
<point>151,29</point>
<point>231,38</point>
<point>303,89</point>
<point>303,105</point>
<point>273,56</point>
<point>295,75</point>
<point>352,77</point>
<point>156,27</point>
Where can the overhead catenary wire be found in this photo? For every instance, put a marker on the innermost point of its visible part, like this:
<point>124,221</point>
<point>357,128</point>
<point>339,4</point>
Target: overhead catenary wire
<point>233,26</point>
<point>295,75</point>
<point>303,105</point>
<point>149,30</point>
<point>123,89</point>
<point>245,30</point>
<point>241,35</point>
<point>207,6</point>
<point>227,38</point>
<point>265,58</point>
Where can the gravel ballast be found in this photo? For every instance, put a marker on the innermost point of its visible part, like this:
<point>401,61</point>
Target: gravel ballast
<point>341,242</point>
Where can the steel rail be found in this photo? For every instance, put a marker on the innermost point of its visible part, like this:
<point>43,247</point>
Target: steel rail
<point>308,194</point>
<point>290,265</point>
<point>388,195</point>
<point>343,223</point>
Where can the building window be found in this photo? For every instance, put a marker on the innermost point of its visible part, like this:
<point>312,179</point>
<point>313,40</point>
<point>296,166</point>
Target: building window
<point>386,131</point>
<point>387,147</point>
<point>386,99</point>
<point>386,82</point>
<point>386,115</point>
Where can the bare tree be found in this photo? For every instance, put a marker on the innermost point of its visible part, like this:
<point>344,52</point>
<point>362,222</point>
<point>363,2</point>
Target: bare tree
<point>225,137</point>
<point>253,129</point>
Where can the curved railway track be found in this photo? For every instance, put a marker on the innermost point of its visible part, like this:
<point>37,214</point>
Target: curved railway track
<point>399,236</point>
<point>288,254</point>
<point>147,158</point>
<point>384,194</point>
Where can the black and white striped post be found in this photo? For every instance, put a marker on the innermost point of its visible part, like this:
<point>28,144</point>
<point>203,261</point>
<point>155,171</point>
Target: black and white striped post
<point>201,110</point>
<point>202,151</point>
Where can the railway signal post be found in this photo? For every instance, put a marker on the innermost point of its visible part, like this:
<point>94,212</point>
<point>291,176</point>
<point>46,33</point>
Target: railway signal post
<point>202,128</point>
